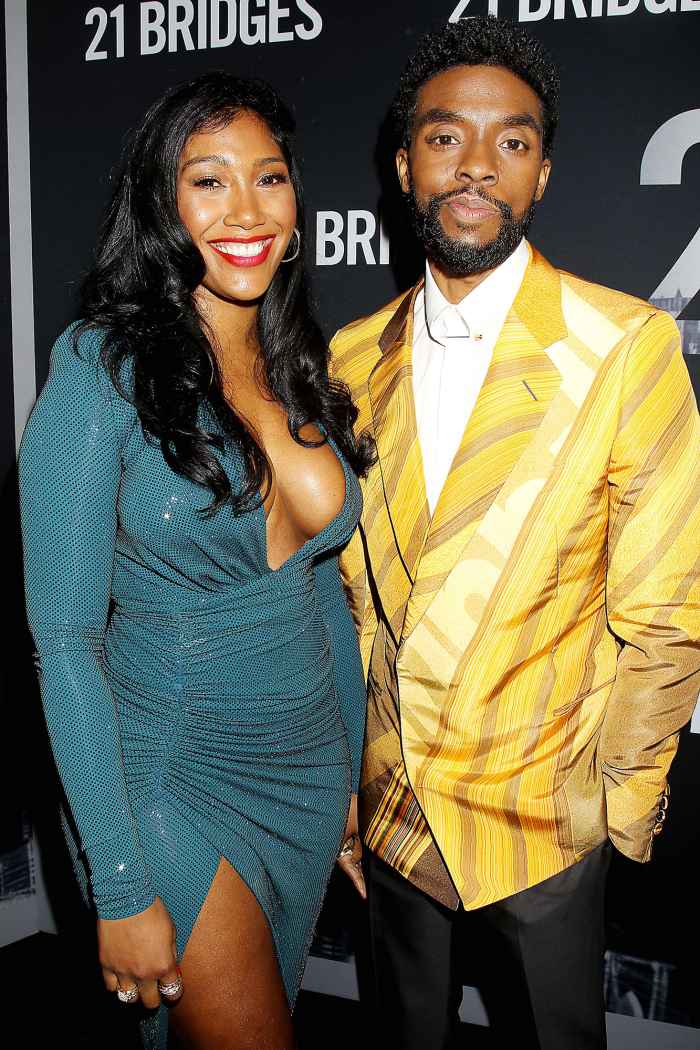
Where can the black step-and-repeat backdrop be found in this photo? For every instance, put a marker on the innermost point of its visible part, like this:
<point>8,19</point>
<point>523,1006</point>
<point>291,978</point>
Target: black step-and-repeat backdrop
<point>622,208</point>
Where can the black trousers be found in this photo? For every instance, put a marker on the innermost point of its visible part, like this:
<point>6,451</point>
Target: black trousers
<point>537,958</point>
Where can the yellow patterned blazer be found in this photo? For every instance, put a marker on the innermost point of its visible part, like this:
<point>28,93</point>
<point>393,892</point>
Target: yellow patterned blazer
<point>532,650</point>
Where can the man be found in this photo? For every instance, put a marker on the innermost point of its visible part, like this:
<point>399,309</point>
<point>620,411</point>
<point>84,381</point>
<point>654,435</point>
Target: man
<point>524,578</point>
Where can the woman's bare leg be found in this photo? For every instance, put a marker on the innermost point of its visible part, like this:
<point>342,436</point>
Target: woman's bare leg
<point>234,998</point>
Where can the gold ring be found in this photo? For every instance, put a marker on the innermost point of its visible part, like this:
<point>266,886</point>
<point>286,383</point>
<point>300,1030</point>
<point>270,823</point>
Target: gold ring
<point>347,847</point>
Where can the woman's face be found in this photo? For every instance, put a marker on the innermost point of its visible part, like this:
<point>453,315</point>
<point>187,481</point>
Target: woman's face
<point>235,197</point>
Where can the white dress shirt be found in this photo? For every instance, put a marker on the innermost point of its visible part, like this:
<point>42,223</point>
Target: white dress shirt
<point>452,350</point>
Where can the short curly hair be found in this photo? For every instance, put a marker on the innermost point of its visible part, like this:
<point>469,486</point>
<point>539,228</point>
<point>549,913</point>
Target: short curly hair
<point>481,41</point>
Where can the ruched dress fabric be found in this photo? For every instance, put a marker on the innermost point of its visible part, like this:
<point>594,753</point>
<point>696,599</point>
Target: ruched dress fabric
<point>200,705</point>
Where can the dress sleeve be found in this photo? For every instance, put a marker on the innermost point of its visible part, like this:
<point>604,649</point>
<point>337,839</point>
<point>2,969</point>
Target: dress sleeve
<point>70,468</point>
<point>347,667</point>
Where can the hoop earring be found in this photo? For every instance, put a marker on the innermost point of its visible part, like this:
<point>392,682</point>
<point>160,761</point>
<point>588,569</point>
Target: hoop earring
<point>291,258</point>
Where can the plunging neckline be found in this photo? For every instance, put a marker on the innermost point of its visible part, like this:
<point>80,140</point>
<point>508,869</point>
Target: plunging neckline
<point>260,510</point>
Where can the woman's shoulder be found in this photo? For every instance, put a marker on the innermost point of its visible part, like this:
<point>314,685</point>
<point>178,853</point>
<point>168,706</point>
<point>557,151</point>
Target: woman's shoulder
<point>78,401</point>
<point>79,348</point>
<point>80,370</point>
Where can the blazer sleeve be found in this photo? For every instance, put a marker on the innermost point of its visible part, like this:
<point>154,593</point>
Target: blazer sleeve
<point>347,668</point>
<point>653,591</point>
<point>353,573</point>
<point>353,567</point>
<point>70,468</point>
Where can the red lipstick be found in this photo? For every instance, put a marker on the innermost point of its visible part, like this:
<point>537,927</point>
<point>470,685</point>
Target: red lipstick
<point>243,258</point>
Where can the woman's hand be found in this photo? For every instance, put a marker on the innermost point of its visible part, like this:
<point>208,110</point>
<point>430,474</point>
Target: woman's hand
<point>350,856</point>
<point>140,953</point>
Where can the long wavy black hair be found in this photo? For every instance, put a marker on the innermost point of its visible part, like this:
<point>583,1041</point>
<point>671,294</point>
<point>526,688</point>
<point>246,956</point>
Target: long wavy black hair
<point>141,291</point>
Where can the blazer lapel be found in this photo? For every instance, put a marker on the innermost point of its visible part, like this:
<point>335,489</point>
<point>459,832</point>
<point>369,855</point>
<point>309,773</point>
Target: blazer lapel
<point>401,466</point>
<point>519,387</point>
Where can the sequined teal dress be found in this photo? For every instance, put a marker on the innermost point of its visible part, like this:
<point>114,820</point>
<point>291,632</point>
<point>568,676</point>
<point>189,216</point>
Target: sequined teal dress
<point>199,704</point>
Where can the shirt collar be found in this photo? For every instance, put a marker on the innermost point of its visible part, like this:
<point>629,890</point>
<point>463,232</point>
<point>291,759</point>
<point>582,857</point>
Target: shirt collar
<point>482,311</point>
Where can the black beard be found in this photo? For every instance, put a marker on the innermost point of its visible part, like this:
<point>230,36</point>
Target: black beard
<point>455,258</point>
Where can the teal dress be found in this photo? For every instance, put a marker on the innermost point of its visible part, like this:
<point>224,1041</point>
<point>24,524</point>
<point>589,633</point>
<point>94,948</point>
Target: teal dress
<point>200,705</point>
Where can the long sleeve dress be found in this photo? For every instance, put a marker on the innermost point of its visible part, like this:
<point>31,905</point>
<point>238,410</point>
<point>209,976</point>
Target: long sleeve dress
<point>199,703</point>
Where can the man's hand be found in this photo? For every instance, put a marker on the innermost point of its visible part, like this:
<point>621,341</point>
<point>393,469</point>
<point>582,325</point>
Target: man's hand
<point>350,856</point>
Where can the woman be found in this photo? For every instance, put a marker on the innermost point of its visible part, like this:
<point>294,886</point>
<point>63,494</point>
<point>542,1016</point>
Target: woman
<point>187,478</point>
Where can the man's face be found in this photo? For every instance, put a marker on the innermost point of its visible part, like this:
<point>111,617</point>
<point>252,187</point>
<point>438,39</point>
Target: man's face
<point>474,170</point>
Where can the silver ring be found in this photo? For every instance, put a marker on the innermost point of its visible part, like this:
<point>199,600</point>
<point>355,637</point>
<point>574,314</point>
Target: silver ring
<point>128,995</point>
<point>172,989</point>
